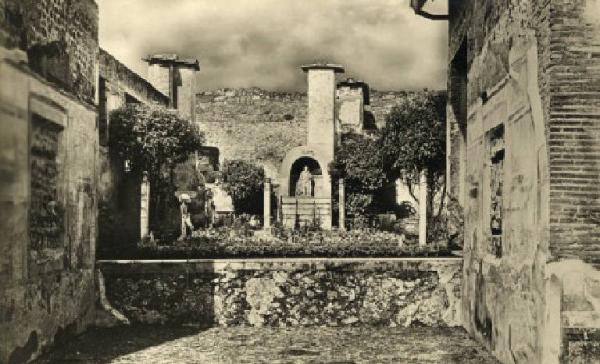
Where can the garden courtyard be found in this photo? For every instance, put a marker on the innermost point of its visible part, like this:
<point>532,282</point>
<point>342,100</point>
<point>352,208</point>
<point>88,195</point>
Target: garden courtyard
<point>327,345</point>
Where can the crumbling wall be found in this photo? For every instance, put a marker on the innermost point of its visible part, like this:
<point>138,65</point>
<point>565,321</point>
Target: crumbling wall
<point>506,174</point>
<point>118,196</point>
<point>60,37</point>
<point>252,124</point>
<point>288,293</point>
<point>48,208</point>
<point>48,204</point>
<point>122,80</point>
<point>262,125</point>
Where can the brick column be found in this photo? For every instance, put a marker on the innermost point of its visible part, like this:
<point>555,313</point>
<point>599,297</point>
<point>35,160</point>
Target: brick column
<point>423,209</point>
<point>144,206</point>
<point>267,204</point>
<point>342,202</point>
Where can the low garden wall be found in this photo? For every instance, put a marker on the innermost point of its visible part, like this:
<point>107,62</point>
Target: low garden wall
<point>287,292</point>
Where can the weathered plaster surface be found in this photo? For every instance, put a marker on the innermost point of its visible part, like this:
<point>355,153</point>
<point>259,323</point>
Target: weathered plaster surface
<point>46,292</point>
<point>504,293</point>
<point>321,111</point>
<point>531,67</point>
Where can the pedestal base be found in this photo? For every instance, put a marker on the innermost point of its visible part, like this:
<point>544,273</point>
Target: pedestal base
<point>306,211</point>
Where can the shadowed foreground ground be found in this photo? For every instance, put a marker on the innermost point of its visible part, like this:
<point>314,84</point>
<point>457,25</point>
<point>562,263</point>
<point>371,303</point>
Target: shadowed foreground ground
<point>270,345</point>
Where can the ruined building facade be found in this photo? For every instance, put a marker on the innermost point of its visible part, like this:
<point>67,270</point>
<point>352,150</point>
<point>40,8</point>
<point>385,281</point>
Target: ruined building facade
<point>524,164</point>
<point>170,85</point>
<point>58,88</point>
<point>48,199</point>
<point>118,193</point>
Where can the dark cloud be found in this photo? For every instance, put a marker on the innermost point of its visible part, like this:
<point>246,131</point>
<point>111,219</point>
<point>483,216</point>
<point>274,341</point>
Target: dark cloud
<point>243,43</point>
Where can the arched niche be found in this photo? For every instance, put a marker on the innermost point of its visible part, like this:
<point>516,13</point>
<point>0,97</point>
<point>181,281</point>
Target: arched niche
<point>316,160</point>
<point>315,170</point>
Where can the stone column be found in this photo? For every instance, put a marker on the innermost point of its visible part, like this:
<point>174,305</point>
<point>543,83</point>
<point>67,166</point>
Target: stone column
<point>144,206</point>
<point>267,204</point>
<point>174,77</point>
<point>423,209</point>
<point>342,201</point>
<point>321,106</point>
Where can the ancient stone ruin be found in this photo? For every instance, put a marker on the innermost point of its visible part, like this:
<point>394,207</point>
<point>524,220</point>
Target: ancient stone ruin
<point>304,180</point>
<point>522,170</point>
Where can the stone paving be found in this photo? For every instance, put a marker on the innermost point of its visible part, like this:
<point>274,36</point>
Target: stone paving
<point>318,345</point>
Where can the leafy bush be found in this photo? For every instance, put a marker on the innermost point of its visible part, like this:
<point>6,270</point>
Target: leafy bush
<point>414,141</point>
<point>358,160</point>
<point>153,140</point>
<point>243,181</point>
<point>242,243</point>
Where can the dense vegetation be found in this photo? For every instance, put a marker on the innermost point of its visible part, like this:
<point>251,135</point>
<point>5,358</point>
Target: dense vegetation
<point>153,140</point>
<point>413,141</point>
<point>243,243</point>
<point>243,181</point>
<point>358,159</point>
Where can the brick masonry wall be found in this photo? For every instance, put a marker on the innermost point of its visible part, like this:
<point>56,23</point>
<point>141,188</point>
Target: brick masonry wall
<point>61,38</point>
<point>262,125</point>
<point>288,293</point>
<point>574,134</point>
<point>560,143</point>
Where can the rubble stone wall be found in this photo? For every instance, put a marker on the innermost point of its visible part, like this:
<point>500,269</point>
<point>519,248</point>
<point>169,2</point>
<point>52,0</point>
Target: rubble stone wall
<point>288,292</point>
<point>61,38</point>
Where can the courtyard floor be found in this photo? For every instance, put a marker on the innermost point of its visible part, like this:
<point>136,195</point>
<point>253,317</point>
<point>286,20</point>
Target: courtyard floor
<point>237,345</point>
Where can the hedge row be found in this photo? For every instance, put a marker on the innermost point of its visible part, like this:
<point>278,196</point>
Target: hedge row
<point>229,244</point>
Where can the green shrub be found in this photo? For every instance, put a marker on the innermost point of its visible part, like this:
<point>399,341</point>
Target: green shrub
<point>242,243</point>
<point>243,181</point>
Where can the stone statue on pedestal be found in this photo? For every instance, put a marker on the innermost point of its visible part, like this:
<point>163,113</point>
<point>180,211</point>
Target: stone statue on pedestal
<point>304,185</point>
<point>186,221</point>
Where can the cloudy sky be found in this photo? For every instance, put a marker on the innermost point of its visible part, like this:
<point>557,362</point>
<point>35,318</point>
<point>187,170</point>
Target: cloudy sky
<point>244,43</point>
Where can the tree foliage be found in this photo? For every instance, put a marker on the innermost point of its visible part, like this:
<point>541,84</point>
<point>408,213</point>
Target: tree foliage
<point>244,180</point>
<point>153,139</point>
<point>358,159</point>
<point>414,137</point>
<point>414,140</point>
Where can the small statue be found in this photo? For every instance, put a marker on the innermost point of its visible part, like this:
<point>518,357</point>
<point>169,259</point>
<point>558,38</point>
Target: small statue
<point>186,221</point>
<point>209,206</point>
<point>304,185</point>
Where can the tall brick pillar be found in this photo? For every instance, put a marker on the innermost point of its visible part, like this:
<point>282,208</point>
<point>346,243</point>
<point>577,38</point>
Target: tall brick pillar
<point>175,78</point>
<point>352,97</point>
<point>267,204</point>
<point>321,107</point>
